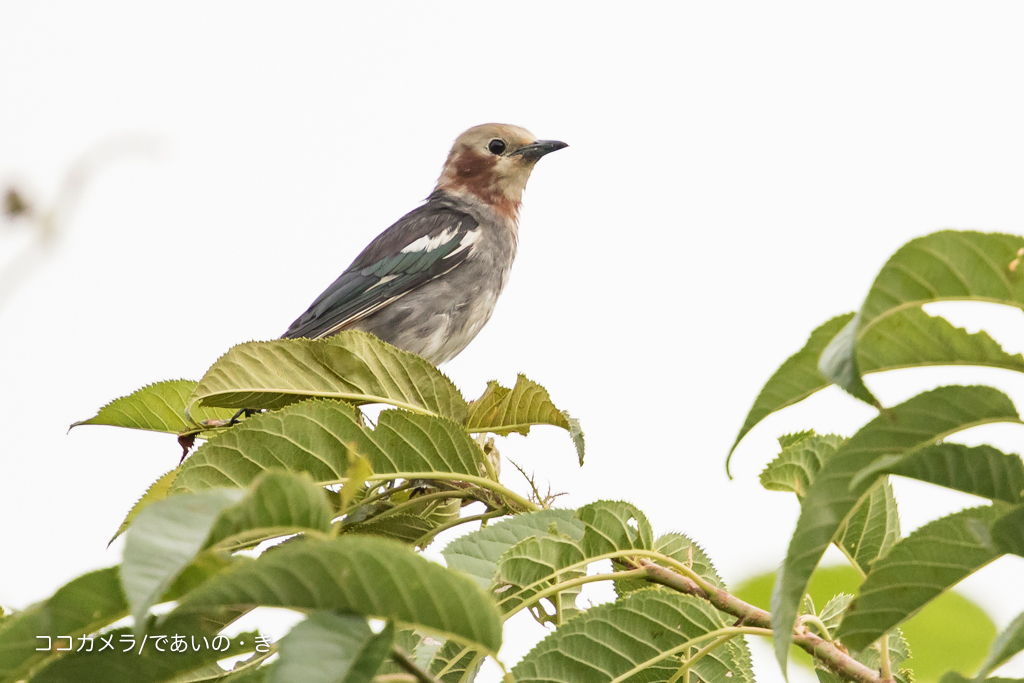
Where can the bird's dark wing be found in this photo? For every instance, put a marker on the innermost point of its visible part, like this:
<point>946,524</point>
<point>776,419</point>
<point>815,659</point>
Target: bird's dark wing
<point>422,245</point>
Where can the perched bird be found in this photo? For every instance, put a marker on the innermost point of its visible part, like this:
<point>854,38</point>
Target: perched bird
<point>429,283</point>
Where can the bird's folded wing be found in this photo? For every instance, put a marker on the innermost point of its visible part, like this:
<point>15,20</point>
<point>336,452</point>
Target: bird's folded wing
<point>421,246</point>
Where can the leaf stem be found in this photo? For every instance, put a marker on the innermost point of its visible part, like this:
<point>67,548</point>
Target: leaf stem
<point>482,482</point>
<point>884,665</point>
<point>405,662</point>
<point>579,581</point>
<point>699,654</point>
<point>811,619</point>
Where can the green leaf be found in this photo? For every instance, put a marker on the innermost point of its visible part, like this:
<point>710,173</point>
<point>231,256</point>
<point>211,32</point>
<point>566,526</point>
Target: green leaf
<point>612,526</point>
<point>409,527</point>
<point>905,338</point>
<point>956,677</point>
<point>361,575</point>
<point>535,564</point>
<point>643,632</point>
<point>873,526</point>
<point>832,613</point>
<point>928,562</point>
<point>81,606</point>
<point>872,529</point>
<point>832,497</point>
<point>795,467</point>
<point>795,380</point>
<point>456,663</point>
<point>476,554</point>
<point>156,407</point>
<point>503,411</point>
<point>1009,643</point>
<point>1008,532</point>
<point>979,470</point>
<point>681,549</point>
<point>158,490</point>
<point>150,665</point>
<point>168,534</point>
<point>317,437</point>
<point>351,366</point>
<point>943,266</point>
<point>332,648</point>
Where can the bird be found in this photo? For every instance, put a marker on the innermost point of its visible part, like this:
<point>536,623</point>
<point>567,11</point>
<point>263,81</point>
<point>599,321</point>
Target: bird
<point>429,283</point>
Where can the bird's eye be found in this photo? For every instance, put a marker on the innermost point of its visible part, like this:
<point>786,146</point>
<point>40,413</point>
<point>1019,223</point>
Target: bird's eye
<point>496,146</point>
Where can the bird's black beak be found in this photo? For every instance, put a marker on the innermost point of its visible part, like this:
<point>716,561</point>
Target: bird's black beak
<point>535,150</point>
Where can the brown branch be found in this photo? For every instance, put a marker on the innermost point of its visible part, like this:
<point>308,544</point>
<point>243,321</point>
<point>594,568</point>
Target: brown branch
<point>829,654</point>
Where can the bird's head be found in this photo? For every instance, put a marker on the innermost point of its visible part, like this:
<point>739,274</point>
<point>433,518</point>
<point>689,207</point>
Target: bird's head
<point>493,162</point>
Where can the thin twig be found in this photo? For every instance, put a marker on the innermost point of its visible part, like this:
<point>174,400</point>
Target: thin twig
<point>827,653</point>
<point>405,662</point>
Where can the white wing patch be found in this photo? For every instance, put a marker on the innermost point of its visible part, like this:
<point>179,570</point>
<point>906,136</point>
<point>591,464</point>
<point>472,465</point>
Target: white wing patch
<point>428,243</point>
<point>467,242</point>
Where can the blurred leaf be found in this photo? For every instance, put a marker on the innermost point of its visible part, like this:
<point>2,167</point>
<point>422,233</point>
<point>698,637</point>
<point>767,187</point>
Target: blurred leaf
<point>1009,643</point>
<point>503,411</point>
<point>332,648</point>
<point>1008,531</point>
<point>81,606</point>
<point>918,422</point>
<point>156,407</point>
<point>360,575</point>
<point>351,366</point>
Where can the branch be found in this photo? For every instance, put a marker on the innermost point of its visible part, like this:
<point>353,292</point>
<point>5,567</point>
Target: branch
<point>404,661</point>
<point>829,654</point>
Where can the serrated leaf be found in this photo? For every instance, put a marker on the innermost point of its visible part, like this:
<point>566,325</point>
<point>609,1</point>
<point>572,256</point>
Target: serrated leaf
<point>795,467</point>
<point>919,568</point>
<point>317,437</point>
<point>536,564</point>
<point>332,648</point>
<point>158,407</point>
<point>614,525</point>
<point>1007,644</point>
<point>918,422</point>
<point>409,527</point>
<point>872,529</point>
<point>979,470</point>
<point>422,648</point>
<point>168,534</point>
<point>373,577</point>
<point>905,338</point>
<point>351,366</point>
<point>503,411</point>
<point>476,554</point>
<point>455,663</point>
<point>1008,531</point>
<point>630,640</point>
<point>943,266</point>
<point>158,490</point>
<point>150,665</point>
<point>832,613</point>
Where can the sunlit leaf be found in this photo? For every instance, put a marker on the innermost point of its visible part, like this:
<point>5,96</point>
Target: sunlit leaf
<point>503,411</point>
<point>156,407</point>
<point>351,366</point>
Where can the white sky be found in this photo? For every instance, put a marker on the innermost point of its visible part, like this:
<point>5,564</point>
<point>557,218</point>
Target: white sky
<point>737,174</point>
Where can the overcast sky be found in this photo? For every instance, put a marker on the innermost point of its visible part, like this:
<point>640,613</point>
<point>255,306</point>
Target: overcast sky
<point>737,174</point>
